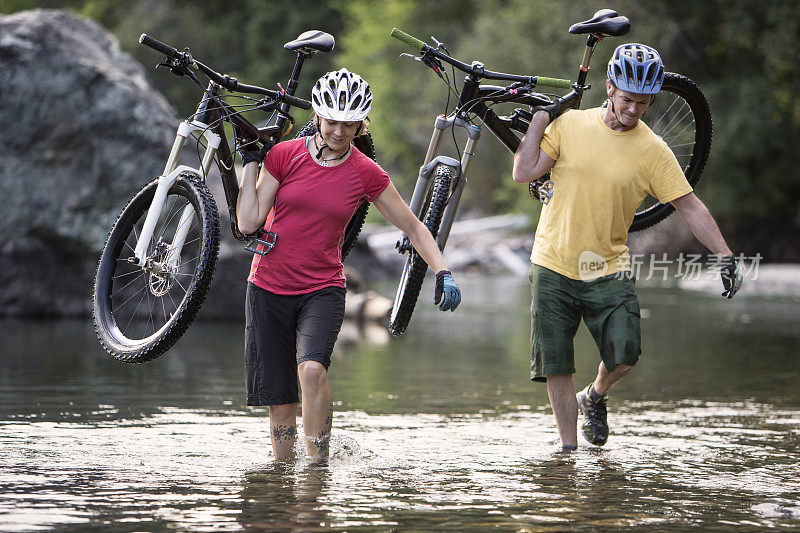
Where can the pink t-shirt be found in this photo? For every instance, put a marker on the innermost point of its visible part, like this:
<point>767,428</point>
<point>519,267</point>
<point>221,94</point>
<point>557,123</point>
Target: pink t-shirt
<point>313,206</point>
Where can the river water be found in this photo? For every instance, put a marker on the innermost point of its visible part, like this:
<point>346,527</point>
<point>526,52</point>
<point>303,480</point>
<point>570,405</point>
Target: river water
<point>438,430</point>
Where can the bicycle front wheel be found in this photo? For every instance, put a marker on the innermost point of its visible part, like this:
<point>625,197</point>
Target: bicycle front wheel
<point>140,312</point>
<point>415,267</point>
<point>681,116</point>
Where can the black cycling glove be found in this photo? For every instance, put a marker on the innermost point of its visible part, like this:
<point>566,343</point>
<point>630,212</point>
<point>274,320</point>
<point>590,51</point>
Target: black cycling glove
<point>551,109</point>
<point>251,153</point>
<point>731,274</point>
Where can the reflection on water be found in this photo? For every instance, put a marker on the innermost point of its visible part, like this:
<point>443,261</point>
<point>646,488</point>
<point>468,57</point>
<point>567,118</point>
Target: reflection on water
<point>440,429</point>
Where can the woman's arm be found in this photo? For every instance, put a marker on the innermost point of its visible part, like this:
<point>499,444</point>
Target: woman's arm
<point>255,199</point>
<point>392,206</point>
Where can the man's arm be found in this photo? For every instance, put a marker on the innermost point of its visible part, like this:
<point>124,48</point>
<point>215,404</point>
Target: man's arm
<point>699,220</point>
<point>530,161</point>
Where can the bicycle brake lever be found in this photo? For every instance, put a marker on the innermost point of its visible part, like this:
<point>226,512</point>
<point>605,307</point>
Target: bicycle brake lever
<point>433,63</point>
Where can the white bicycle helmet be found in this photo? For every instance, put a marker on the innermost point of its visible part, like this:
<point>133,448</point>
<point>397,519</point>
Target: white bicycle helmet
<point>341,95</point>
<point>636,68</point>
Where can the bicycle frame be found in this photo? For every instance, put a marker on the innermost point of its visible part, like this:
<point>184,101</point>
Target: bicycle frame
<point>501,127</point>
<point>209,122</point>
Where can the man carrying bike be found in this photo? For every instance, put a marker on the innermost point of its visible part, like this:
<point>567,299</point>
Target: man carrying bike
<point>603,163</point>
<point>296,292</point>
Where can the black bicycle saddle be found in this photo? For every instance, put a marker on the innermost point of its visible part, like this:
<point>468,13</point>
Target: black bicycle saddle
<point>605,22</point>
<point>313,39</point>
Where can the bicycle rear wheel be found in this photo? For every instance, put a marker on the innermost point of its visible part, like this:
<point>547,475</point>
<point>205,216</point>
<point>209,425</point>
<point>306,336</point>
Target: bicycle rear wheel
<point>681,116</point>
<point>365,145</point>
<point>415,267</point>
<point>140,312</point>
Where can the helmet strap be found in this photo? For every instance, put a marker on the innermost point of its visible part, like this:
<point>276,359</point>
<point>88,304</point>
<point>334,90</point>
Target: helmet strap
<point>318,147</point>
<point>613,111</point>
<point>321,148</point>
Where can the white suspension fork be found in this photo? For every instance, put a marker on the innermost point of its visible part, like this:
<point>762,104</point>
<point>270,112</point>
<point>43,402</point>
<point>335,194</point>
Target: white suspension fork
<point>165,181</point>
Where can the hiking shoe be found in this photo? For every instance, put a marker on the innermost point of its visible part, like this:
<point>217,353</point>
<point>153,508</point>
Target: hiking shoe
<point>595,427</point>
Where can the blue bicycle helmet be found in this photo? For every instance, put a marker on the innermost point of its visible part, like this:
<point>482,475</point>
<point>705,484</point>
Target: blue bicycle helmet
<point>636,68</point>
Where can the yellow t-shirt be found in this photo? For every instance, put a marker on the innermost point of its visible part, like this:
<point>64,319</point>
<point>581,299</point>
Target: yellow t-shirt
<point>599,179</point>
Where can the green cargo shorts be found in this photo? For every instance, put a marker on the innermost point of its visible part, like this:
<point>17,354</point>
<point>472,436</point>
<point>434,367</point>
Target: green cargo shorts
<point>608,306</point>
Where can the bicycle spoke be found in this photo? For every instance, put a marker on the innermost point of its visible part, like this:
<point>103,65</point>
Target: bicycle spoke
<point>141,272</point>
<point>135,311</point>
<point>150,313</point>
<point>118,276</point>
<point>196,239</point>
<point>132,297</point>
<point>675,118</point>
<point>174,305</point>
<point>185,290</point>
<point>163,309</point>
<point>663,114</point>
<point>683,131</point>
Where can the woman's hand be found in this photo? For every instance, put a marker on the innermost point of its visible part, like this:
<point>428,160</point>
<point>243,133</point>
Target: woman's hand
<point>447,291</point>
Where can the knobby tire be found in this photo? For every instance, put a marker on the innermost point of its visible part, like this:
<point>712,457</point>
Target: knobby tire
<point>415,267</point>
<point>115,268</point>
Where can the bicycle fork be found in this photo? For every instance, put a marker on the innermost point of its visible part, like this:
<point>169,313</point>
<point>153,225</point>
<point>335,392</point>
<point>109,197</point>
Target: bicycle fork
<point>171,172</point>
<point>459,168</point>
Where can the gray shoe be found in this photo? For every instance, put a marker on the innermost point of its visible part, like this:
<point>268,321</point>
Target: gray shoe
<point>595,426</point>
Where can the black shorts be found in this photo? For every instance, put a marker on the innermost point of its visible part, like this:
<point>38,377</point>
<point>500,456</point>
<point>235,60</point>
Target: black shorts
<point>283,331</point>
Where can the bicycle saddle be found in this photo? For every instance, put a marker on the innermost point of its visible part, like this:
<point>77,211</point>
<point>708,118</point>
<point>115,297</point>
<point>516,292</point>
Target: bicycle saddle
<point>313,39</point>
<point>605,22</point>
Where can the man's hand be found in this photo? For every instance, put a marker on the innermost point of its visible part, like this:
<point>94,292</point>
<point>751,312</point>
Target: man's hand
<point>447,291</point>
<point>550,109</point>
<point>731,276</point>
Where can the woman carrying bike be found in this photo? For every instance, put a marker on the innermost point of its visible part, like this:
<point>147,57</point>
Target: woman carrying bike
<point>296,292</point>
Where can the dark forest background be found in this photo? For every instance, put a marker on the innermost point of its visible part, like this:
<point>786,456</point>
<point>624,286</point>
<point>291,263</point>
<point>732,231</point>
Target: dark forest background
<point>743,54</point>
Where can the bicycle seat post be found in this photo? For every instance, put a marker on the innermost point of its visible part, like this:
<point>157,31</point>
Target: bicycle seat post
<point>591,44</point>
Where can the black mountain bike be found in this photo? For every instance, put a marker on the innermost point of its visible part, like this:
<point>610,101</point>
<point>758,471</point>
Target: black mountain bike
<point>159,258</point>
<point>679,115</point>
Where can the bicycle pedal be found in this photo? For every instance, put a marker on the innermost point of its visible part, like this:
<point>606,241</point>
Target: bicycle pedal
<point>268,243</point>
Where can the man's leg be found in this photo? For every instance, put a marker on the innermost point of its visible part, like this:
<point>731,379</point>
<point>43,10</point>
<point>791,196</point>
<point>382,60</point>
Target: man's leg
<point>612,317</point>
<point>561,391</point>
<point>317,409</point>
<point>605,379</point>
<point>283,429</point>
<point>554,320</point>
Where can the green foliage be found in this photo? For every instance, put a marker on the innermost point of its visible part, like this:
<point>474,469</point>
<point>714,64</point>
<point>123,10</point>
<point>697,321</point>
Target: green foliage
<point>743,55</point>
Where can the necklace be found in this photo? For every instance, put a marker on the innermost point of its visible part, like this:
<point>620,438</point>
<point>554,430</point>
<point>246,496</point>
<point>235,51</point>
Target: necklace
<point>326,162</point>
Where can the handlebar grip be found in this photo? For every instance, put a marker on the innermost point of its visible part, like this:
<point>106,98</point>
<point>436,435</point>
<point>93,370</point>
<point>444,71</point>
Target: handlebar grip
<point>295,101</point>
<point>408,39</point>
<point>165,49</point>
<point>555,83</point>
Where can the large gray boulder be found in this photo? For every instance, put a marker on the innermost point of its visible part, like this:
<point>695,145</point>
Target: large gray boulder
<point>83,130</point>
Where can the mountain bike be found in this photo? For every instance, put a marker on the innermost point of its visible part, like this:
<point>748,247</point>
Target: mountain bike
<point>680,115</point>
<point>159,258</point>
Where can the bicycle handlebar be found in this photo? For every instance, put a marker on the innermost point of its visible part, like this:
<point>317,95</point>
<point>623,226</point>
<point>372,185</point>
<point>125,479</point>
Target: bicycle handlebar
<point>157,45</point>
<point>227,82</point>
<point>478,71</point>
